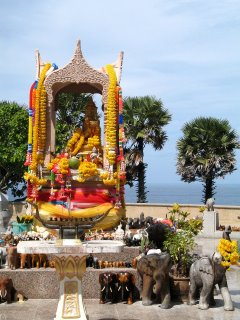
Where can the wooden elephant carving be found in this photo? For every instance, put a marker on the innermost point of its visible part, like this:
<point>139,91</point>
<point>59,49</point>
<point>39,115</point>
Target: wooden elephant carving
<point>33,260</point>
<point>154,270</point>
<point>108,282</point>
<point>125,284</point>
<point>205,273</point>
<point>25,260</point>
<point>8,293</point>
<point>12,257</point>
<point>7,290</point>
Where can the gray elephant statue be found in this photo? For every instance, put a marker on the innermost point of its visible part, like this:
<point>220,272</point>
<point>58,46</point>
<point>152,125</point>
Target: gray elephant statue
<point>205,273</point>
<point>210,204</point>
<point>154,271</point>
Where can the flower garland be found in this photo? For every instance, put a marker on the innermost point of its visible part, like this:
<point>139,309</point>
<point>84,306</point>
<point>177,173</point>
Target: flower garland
<point>59,165</point>
<point>111,121</point>
<point>32,100</point>
<point>39,130</point>
<point>229,252</point>
<point>87,169</point>
<point>33,179</point>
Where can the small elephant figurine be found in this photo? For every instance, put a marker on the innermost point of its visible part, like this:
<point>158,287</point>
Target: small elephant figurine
<point>125,282</point>
<point>108,281</point>
<point>205,273</point>
<point>7,290</point>
<point>43,260</point>
<point>12,257</point>
<point>210,204</point>
<point>154,270</point>
<point>35,260</point>
<point>25,260</point>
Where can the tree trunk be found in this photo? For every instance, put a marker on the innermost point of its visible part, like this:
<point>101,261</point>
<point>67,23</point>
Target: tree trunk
<point>141,176</point>
<point>208,189</point>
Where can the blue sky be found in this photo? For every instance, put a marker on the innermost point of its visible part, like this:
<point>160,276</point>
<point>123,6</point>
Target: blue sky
<point>186,52</point>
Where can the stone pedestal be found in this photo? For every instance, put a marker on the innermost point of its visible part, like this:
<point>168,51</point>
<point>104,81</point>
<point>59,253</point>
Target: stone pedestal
<point>70,263</point>
<point>70,270</point>
<point>210,222</point>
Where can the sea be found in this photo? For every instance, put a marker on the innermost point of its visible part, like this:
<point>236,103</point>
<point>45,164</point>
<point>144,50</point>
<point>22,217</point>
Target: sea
<point>185,193</point>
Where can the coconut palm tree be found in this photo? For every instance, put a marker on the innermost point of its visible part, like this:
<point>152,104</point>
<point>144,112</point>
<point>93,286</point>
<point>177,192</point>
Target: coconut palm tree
<point>144,119</point>
<point>206,152</point>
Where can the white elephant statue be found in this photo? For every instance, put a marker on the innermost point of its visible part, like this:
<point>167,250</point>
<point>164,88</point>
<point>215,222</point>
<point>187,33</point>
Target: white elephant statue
<point>205,273</point>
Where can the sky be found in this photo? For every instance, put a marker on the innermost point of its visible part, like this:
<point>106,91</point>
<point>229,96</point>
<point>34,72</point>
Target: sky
<point>184,52</point>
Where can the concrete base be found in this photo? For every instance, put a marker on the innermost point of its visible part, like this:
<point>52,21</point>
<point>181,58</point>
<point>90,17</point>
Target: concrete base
<point>210,222</point>
<point>44,283</point>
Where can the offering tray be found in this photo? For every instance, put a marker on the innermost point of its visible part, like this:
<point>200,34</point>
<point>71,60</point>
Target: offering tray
<point>71,223</point>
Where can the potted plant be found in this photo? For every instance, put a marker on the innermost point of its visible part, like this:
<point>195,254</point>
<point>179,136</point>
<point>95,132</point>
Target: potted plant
<point>180,244</point>
<point>23,224</point>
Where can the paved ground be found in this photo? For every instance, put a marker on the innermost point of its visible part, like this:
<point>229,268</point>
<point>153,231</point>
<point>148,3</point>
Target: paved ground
<point>45,309</point>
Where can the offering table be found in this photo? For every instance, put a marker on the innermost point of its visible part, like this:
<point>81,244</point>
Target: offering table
<point>70,263</point>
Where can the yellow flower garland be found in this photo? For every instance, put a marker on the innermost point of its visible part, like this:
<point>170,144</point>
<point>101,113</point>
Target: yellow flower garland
<point>111,118</point>
<point>229,252</point>
<point>86,170</point>
<point>39,130</point>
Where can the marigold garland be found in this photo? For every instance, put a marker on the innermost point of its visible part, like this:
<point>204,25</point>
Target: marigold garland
<point>229,252</point>
<point>111,117</point>
<point>87,169</point>
<point>39,130</point>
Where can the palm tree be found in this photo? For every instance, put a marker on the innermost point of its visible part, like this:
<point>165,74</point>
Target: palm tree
<point>206,152</point>
<point>144,118</point>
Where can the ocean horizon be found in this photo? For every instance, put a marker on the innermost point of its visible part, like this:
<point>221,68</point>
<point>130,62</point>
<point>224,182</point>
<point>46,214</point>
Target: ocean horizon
<point>186,193</point>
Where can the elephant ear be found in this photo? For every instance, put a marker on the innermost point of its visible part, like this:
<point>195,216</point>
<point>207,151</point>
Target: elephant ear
<point>205,266</point>
<point>145,266</point>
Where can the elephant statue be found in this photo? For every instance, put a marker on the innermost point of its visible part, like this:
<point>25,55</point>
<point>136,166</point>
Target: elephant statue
<point>7,290</point>
<point>210,204</point>
<point>205,273</point>
<point>108,282</point>
<point>154,271</point>
<point>25,260</point>
<point>12,257</point>
<point>125,284</point>
<point>8,293</point>
<point>43,260</point>
<point>35,260</point>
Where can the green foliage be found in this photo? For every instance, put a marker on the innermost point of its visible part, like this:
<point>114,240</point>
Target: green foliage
<point>206,152</point>
<point>13,146</point>
<point>180,220</point>
<point>144,119</point>
<point>69,116</point>
<point>180,245</point>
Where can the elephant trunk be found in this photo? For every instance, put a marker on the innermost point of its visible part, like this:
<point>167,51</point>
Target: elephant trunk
<point>123,288</point>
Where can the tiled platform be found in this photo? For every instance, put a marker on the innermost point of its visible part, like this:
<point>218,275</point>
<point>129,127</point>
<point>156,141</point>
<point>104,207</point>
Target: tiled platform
<point>44,309</point>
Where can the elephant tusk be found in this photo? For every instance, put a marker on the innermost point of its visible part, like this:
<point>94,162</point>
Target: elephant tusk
<point>119,288</point>
<point>110,289</point>
<point>127,288</point>
<point>103,289</point>
<point>5,294</point>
